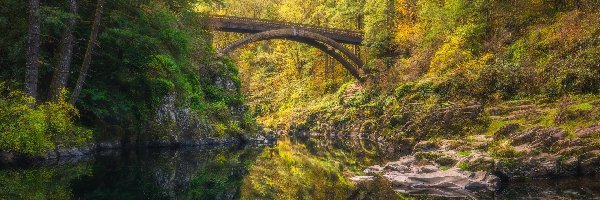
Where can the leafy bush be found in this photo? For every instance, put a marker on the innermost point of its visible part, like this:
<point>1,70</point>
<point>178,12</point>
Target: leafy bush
<point>30,129</point>
<point>403,89</point>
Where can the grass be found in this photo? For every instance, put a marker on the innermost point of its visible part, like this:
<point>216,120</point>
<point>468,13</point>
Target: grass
<point>571,126</point>
<point>582,106</point>
<point>464,166</point>
<point>549,119</point>
<point>494,127</point>
<point>464,153</point>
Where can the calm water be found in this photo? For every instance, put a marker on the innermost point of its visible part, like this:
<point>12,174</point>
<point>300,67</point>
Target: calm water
<point>291,169</point>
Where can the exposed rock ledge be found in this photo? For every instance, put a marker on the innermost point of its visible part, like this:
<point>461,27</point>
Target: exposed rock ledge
<point>410,175</point>
<point>457,168</point>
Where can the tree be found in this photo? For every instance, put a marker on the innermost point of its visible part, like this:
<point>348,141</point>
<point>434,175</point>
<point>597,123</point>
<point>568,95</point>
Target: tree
<point>61,73</point>
<point>379,27</point>
<point>87,59</point>
<point>33,48</point>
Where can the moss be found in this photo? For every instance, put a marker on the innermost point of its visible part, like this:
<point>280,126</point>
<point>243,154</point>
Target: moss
<point>368,126</point>
<point>432,156</point>
<point>548,119</point>
<point>403,89</point>
<point>571,126</point>
<point>464,153</point>
<point>445,161</point>
<point>464,166</point>
<point>582,106</point>
<point>494,127</point>
<point>220,129</point>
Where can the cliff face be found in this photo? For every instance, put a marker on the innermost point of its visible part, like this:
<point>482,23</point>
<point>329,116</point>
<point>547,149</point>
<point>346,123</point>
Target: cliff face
<point>174,124</point>
<point>177,123</point>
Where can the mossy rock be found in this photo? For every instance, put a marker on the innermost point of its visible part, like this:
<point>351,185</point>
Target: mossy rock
<point>431,156</point>
<point>478,162</point>
<point>446,161</point>
<point>506,130</point>
<point>569,115</point>
<point>426,146</point>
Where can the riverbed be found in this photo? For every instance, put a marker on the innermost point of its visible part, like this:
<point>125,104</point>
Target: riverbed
<point>293,168</point>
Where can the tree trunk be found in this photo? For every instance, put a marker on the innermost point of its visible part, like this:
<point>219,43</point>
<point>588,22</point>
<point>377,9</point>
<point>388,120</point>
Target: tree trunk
<point>61,73</point>
<point>33,49</point>
<point>326,67</point>
<point>87,59</point>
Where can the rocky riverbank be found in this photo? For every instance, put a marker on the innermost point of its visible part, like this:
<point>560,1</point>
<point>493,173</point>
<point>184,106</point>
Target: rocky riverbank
<point>80,153</point>
<point>457,146</point>
<point>454,168</point>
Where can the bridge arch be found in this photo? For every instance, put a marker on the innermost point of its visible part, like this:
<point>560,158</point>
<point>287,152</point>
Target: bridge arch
<point>325,44</point>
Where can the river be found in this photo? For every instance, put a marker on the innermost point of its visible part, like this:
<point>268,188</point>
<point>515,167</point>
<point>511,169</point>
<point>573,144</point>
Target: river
<point>293,168</point>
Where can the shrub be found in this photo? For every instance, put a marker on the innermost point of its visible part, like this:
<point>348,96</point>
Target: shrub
<point>403,89</point>
<point>30,129</point>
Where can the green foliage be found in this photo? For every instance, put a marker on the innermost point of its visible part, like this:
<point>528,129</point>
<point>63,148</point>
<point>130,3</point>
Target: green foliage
<point>582,106</point>
<point>464,153</point>
<point>30,129</point>
<point>403,89</point>
<point>151,50</point>
<point>464,166</point>
<point>379,27</point>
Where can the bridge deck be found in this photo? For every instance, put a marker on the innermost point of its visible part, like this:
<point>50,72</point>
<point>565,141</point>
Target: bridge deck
<point>251,25</point>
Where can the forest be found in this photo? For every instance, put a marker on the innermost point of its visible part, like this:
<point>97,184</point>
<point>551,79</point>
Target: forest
<point>482,91</point>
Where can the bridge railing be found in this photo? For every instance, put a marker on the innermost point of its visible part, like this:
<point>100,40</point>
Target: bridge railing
<point>291,24</point>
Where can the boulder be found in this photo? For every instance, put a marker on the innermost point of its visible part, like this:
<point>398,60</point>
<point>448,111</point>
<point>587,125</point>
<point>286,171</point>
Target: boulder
<point>537,137</point>
<point>506,130</point>
<point>588,132</point>
<point>362,178</point>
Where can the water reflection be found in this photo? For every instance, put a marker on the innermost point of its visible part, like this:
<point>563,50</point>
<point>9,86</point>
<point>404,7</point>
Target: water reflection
<point>315,168</point>
<point>294,168</point>
<point>168,174</point>
<point>42,182</point>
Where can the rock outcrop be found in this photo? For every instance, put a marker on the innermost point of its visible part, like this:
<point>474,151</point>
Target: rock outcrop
<point>460,168</point>
<point>416,176</point>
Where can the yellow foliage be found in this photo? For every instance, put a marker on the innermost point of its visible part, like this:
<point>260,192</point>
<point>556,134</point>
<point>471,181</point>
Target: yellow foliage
<point>32,129</point>
<point>408,31</point>
<point>449,55</point>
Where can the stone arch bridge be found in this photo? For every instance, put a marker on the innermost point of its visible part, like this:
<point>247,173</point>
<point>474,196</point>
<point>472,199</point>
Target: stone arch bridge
<point>329,40</point>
